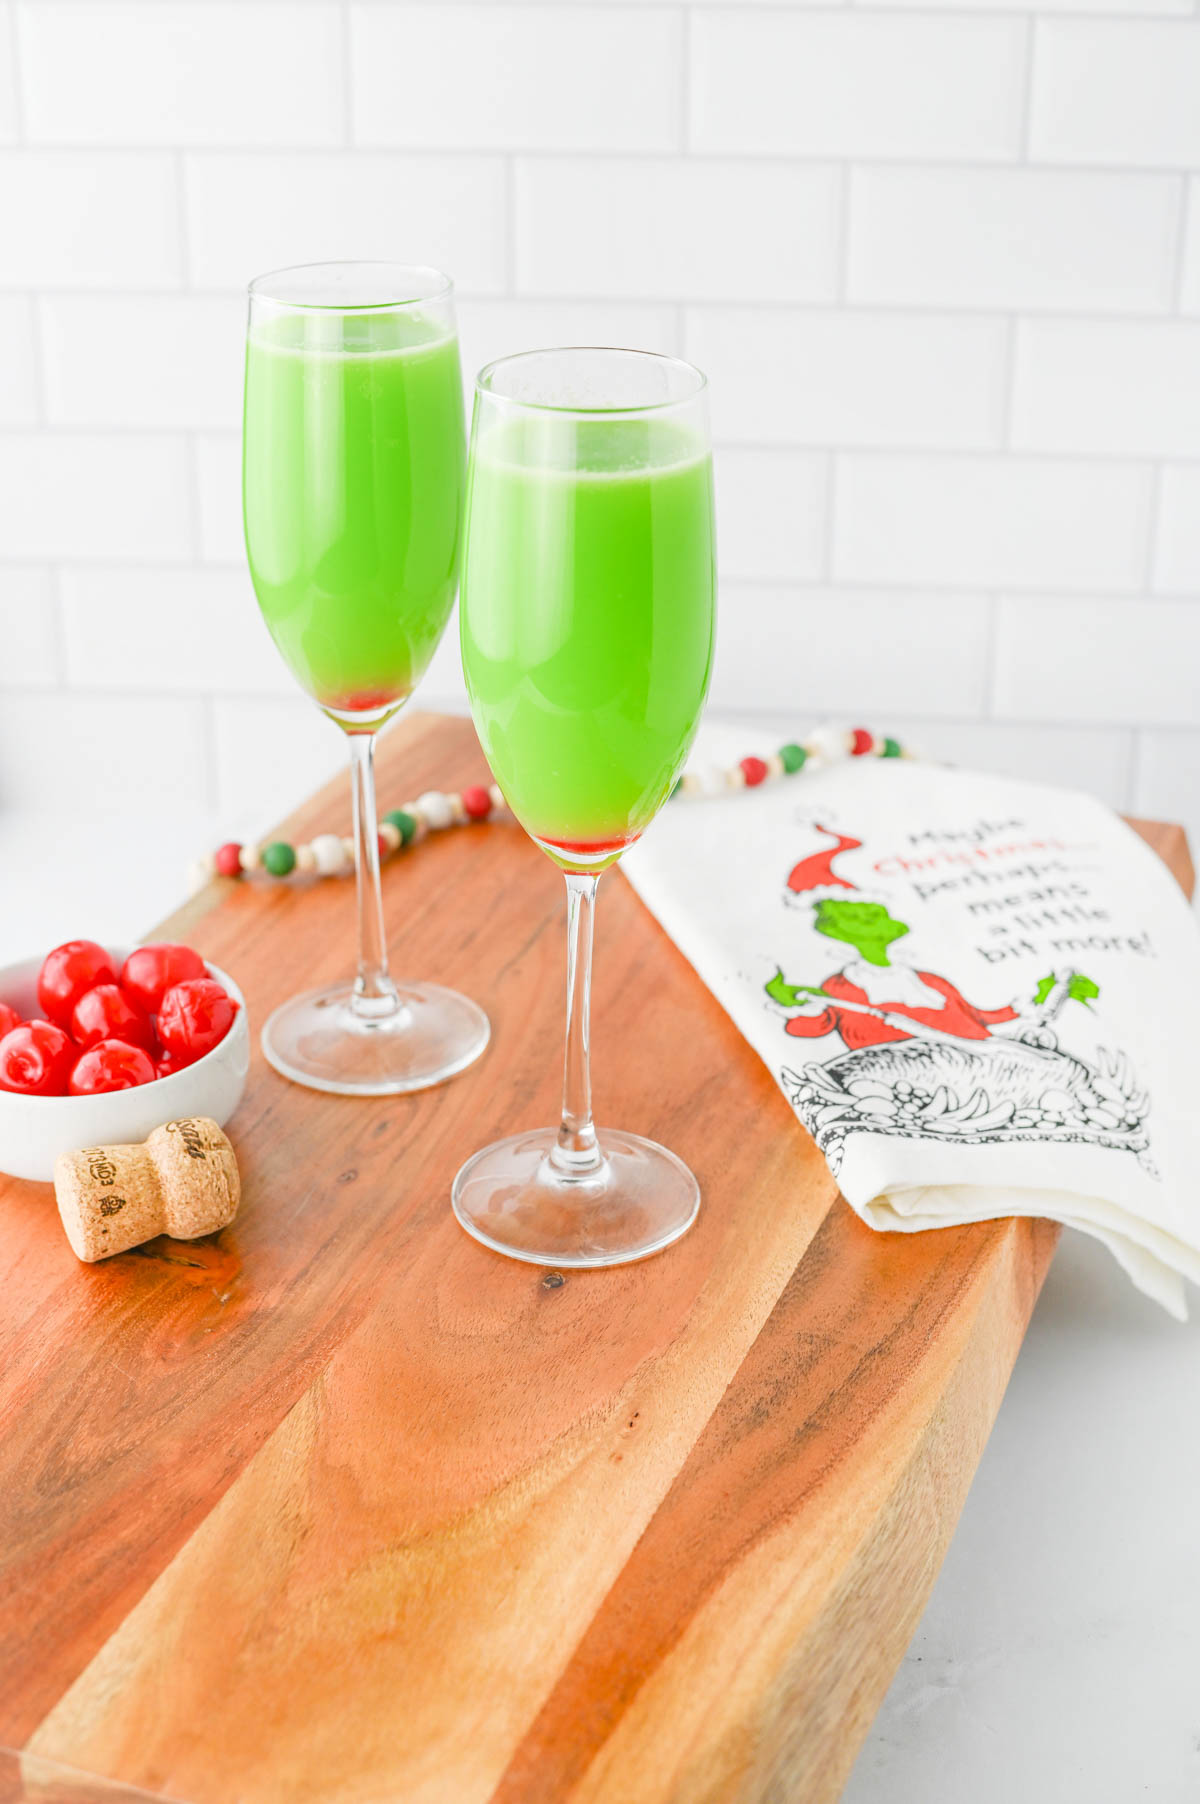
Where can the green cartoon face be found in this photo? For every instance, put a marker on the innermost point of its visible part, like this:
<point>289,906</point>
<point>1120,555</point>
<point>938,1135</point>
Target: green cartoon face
<point>867,926</point>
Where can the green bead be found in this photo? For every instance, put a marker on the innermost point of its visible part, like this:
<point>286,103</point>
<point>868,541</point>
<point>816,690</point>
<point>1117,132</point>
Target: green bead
<point>676,786</point>
<point>792,758</point>
<point>278,859</point>
<point>403,823</point>
<point>891,749</point>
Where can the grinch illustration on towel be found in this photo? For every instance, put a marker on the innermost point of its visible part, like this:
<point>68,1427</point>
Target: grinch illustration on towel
<point>919,1059</point>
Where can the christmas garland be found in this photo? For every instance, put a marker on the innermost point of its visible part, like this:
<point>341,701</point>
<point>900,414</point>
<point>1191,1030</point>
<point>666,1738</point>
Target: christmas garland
<point>329,855</point>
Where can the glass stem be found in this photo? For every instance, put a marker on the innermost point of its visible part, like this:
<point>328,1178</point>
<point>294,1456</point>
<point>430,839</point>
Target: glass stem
<point>374,992</point>
<point>576,1151</point>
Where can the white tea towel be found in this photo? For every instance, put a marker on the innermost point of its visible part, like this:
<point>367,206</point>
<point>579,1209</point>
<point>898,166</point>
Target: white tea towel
<point>980,996</point>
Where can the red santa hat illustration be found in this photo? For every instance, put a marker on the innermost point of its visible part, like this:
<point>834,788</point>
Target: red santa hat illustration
<point>816,873</point>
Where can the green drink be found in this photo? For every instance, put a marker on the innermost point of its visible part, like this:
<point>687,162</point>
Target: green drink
<point>587,636</point>
<point>352,479</point>
<point>587,621</point>
<point>353,487</point>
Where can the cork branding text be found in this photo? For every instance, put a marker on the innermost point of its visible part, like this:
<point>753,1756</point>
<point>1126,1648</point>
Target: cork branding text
<point>193,1139</point>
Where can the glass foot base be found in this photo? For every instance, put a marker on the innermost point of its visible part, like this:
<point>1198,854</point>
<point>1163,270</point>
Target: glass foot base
<point>510,1197</point>
<point>318,1039</point>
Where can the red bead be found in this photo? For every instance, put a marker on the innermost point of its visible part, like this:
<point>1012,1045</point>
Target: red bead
<point>384,848</point>
<point>862,743</point>
<point>477,803</point>
<point>228,859</point>
<point>754,771</point>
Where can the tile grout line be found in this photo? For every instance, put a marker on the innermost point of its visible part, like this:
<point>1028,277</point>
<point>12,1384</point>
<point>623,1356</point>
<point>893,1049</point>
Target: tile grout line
<point>1024,458</point>
<point>511,204</point>
<point>182,215</point>
<point>684,90</point>
<point>805,307</point>
<point>18,72</point>
<point>854,588</point>
<point>347,48</point>
<point>1008,397</point>
<point>969,589</point>
<point>39,366</point>
<point>1135,759</point>
<point>58,628</point>
<point>842,242</point>
<point>195,504</point>
<point>1153,514</point>
<point>908,162</point>
<point>1179,248</point>
<point>1160,15</point>
<point>210,733</point>
<point>1025,136</point>
<point>1009,719</point>
<point>991,662</point>
<point>829,525</point>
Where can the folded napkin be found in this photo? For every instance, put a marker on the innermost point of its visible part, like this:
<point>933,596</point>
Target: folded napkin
<point>979,995</point>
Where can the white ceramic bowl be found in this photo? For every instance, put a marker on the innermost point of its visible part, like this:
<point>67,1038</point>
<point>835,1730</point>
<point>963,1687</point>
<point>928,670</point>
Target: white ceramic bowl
<point>35,1129</point>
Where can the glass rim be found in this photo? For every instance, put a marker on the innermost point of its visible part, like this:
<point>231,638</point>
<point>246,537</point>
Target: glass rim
<point>257,288</point>
<point>483,381</point>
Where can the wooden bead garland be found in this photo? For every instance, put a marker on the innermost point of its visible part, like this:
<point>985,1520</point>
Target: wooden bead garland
<point>328,855</point>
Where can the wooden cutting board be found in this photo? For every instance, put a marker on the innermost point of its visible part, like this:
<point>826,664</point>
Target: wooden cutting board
<point>337,1507</point>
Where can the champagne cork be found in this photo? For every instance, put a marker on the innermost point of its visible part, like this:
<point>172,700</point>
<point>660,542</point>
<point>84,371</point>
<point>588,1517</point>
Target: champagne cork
<point>183,1181</point>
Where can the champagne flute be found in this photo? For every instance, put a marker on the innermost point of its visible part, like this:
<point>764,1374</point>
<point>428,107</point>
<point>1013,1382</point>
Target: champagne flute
<point>353,472</point>
<point>587,618</point>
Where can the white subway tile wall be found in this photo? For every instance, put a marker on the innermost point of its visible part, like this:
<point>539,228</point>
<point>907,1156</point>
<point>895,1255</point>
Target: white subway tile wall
<point>856,84</point>
<point>116,494</point>
<point>168,630</point>
<point>29,629</point>
<point>940,261</point>
<point>839,377</point>
<point>1121,387</point>
<point>852,652</point>
<point>515,76</point>
<point>90,220</point>
<point>998,522</point>
<point>677,228</point>
<point>248,213</point>
<point>211,72</point>
<point>1030,239</point>
<point>1116,91</point>
<point>156,749</point>
<point>1177,548</point>
<point>8,78</point>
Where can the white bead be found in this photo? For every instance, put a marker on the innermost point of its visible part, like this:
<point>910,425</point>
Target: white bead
<point>774,765</point>
<point>711,779</point>
<point>329,855</point>
<point>350,853</point>
<point>305,858</point>
<point>198,873</point>
<point>497,795</point>
<point>389,833</point>
<point>689,784</point>
<point>250,858</point>
<point>458,813</point>
<point>828,743</point>
<point>436,808</point>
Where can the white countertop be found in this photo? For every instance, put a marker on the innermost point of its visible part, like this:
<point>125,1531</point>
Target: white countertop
<point>1058,1660</point>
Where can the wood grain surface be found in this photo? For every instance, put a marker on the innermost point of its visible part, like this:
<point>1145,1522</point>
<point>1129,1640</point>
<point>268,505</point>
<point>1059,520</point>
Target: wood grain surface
<point>336,1505</point>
